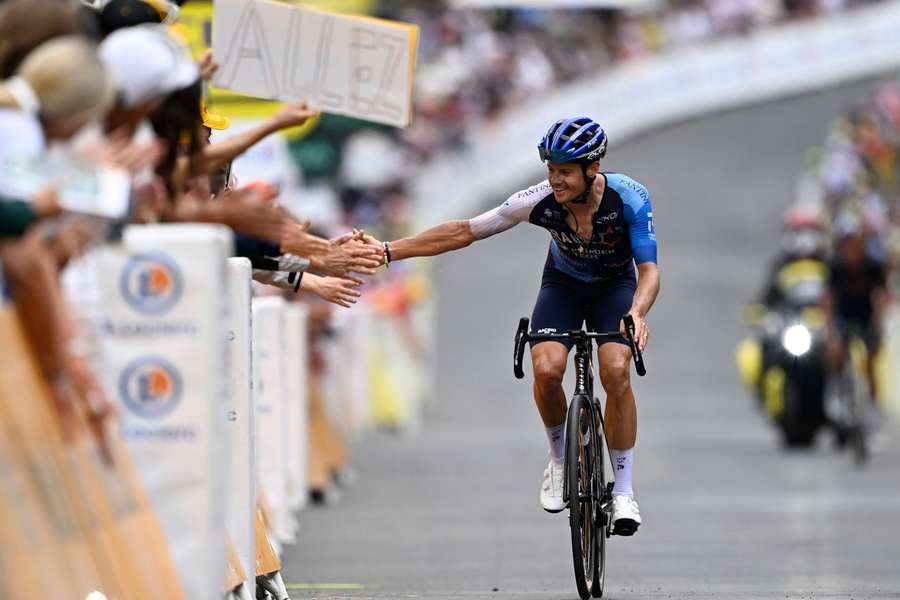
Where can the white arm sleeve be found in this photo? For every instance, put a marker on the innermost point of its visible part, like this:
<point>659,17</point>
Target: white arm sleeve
<point>509,214</point>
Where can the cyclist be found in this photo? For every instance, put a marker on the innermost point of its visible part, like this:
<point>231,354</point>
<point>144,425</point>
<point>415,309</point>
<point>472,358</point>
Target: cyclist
<point>857,297</point>
<point>601,225</point>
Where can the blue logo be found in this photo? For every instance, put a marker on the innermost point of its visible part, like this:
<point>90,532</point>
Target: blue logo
<point>150,387</point>
<point>151,283</point>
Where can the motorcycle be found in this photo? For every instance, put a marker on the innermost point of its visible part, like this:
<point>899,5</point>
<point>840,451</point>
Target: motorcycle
<point>784,362</point>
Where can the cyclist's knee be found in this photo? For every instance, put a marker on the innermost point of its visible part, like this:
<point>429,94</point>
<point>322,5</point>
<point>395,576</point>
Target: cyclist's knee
<point>548,370</point>
<point>615,375</point>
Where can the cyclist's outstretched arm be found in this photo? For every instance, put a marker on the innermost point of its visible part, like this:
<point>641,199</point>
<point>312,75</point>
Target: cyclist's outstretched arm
<point>445,237</point>
<point>454,235</point>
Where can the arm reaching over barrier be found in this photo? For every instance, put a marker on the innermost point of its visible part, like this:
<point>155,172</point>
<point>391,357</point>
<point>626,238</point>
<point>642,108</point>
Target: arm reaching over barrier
<point>337,290</point>
<point>340,257</point>
<point>217,155</point>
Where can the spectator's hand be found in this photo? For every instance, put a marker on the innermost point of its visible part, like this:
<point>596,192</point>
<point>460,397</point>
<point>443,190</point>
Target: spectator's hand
<point>98,408</point>
<point>63,396</point>
<point>122,152</point>
<point>207,66</point>
<point>337,290</point>
<point>151,200</point>
<point>71,240</point>
<point>296,240</point>
<point>345,255</point>
<point>46,203</point>
<point>293,115</point>
<point>250,210</point>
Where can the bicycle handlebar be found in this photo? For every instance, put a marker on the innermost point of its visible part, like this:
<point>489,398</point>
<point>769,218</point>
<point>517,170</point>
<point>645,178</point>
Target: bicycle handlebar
<point>522,337</point>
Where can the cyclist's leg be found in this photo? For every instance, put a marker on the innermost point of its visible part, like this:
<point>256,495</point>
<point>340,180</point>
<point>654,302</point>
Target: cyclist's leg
<point>556,310</point>
<point>611,300</point>
<point>872,340</point>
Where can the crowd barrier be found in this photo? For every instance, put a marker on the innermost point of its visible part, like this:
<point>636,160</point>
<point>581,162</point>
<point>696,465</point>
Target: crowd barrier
<point>225,428</point>
<point>72,525</point>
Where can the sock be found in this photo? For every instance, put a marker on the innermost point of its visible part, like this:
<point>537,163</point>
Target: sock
<point>557,438</point>
<point>623,459</point>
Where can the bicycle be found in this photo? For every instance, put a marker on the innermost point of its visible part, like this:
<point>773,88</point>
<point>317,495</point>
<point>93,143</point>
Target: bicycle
<point>851,387</point>
<point>585,481</point>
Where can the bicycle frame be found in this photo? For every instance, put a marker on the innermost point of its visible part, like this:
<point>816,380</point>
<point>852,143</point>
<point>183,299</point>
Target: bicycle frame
<point>584,373</point>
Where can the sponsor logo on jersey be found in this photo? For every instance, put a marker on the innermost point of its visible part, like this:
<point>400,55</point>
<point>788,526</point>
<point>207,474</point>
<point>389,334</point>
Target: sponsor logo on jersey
<point>151,283</point>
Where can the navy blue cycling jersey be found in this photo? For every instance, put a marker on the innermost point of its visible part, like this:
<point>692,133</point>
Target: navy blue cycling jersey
<point>622,228</point>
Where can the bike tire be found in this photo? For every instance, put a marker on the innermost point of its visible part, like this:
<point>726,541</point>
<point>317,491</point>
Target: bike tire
<point>602,524</point>
<point>579,473</point>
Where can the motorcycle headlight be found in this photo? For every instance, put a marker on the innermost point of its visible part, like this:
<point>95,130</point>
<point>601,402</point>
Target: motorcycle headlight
<point>797,339</point>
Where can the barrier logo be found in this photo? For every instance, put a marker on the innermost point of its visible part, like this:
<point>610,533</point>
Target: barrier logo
<point>151,283</point>
<point>150,387</point>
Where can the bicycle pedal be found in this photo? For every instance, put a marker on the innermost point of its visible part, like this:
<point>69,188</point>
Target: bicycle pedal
<point>625,527</point>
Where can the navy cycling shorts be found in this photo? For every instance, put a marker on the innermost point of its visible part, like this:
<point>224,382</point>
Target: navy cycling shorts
<point>565,303</point>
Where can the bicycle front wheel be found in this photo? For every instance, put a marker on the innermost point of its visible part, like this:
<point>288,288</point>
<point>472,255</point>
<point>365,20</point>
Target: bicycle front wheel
<point>580,442</point>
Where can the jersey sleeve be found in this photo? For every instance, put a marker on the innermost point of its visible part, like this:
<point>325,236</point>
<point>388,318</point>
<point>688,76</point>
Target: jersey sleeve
<point>638,212</point>
<point>515,210</point>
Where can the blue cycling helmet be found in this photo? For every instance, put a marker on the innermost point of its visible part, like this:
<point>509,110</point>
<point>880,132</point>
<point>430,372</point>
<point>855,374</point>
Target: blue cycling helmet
<point>579,139</point>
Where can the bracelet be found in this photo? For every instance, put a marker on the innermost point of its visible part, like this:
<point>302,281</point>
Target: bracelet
<point>387,254</point>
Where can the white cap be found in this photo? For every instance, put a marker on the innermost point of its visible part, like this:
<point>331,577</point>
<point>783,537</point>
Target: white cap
<point>147,63</point>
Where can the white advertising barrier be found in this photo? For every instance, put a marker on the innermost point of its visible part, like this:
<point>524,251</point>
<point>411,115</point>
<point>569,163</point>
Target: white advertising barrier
<point>357,66</point>
<point>165,290</point>
<point>270,365</point>
<point>641,95</point>
<point>240,417</point>
<point>296,405</point>
<point>347,384</point>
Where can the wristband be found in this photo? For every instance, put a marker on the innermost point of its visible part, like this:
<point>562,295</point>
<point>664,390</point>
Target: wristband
<point>387,254</point>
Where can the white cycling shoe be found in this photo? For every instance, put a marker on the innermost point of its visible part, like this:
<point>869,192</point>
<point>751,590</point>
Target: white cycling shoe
<point>626,516</point>
<point>552,488</point>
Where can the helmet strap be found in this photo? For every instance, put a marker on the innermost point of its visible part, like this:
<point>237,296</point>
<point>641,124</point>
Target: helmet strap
<point>588,184</point>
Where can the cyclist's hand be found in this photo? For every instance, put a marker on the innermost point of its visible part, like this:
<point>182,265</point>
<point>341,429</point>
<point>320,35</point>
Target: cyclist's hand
<point>371,242</point>
<point>641,330</point>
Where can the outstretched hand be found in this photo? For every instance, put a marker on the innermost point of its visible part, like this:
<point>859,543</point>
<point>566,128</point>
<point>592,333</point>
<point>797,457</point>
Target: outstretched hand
<point>338,290</point>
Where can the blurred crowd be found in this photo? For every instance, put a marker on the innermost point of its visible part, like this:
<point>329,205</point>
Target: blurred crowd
<point>827,297</point>
<point>474,63</point>
<point>103,124</point>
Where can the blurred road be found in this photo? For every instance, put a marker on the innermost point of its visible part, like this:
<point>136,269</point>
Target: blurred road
<point>452,511</point>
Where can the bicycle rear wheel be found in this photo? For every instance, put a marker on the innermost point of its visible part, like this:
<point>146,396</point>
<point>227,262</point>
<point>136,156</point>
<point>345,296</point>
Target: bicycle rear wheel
<point>580,443</point>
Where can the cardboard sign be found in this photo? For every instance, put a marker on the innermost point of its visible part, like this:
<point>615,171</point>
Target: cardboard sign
<point>356,66</point>
<point>165,296</point>
<point>240,417</point>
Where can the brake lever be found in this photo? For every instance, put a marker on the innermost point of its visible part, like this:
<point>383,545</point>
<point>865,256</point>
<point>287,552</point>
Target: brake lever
<point>519,348</point>
<point>638,357</point>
